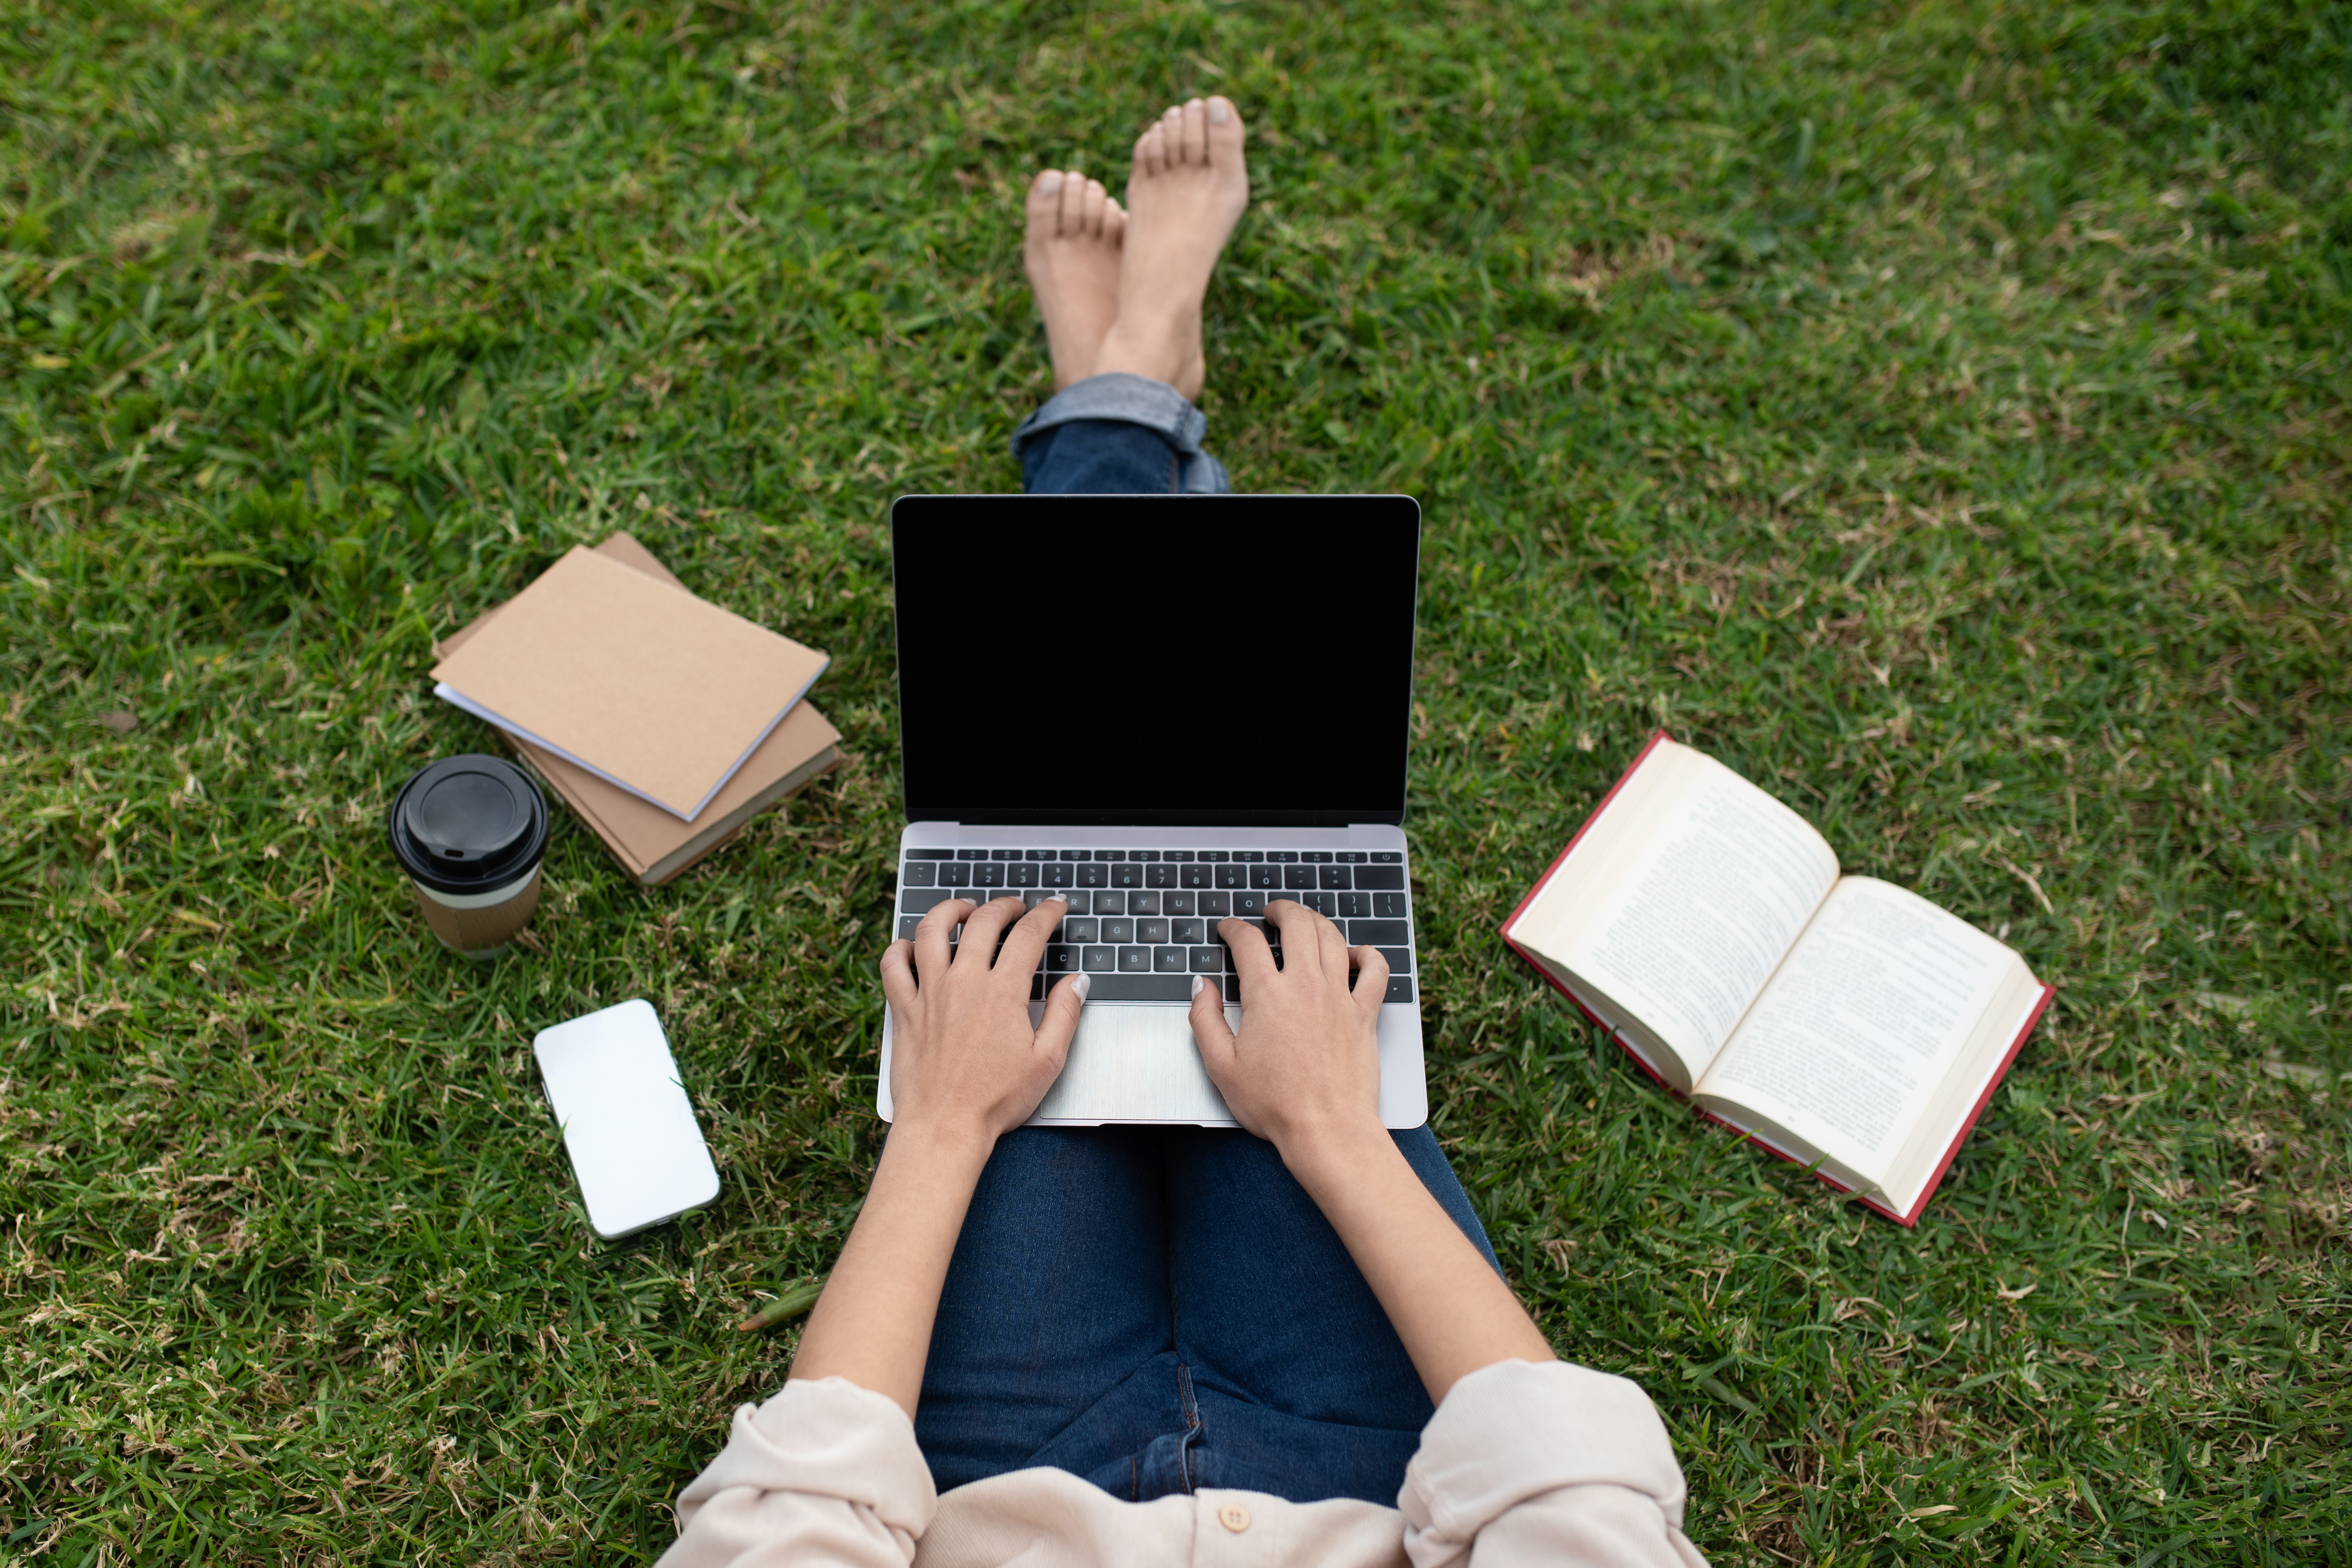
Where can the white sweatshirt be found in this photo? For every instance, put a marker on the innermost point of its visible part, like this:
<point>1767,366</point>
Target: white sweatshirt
<point>1526,1462</point>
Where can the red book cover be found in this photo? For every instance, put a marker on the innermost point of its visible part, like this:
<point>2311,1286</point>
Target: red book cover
<point>1874,1205</point>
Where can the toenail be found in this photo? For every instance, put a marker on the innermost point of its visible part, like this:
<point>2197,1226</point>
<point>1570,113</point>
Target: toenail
<point>1219,111</point>
<point>1049,182</point>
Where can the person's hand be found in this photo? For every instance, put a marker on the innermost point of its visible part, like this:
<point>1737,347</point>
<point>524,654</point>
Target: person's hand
<point>1304,1072</point>
<point>964,1060</point>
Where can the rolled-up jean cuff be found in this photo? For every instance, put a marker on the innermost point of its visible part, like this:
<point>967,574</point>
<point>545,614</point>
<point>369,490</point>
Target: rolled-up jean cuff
<point>1129,399</point>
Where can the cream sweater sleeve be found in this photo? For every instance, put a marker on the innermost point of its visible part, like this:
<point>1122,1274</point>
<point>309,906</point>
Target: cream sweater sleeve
<point>824,1472</point>
<point>1531,1462</point>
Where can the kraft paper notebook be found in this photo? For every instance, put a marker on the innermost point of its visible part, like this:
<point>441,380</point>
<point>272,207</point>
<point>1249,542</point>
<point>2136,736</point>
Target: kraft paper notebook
<point>654,845</point>
<point>630,677</point>
<point>1842,1021</point>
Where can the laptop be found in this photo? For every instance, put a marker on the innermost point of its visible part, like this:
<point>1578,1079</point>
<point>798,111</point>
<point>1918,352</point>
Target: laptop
<point>1168,710</point>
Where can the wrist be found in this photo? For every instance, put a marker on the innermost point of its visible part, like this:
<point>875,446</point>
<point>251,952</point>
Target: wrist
<point>1323,1157</point>
<point>951,1140</point>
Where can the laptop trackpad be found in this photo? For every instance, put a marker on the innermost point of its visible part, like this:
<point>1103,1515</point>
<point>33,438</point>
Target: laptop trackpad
<point>1134,1062</point>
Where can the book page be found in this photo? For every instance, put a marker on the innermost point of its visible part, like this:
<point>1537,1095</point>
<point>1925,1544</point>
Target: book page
<point>1692,923</point>
<point>1862,1023</point>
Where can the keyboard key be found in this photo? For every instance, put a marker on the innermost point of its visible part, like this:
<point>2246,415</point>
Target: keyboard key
<point>1249,903</point>
<point>1249,856</point>
<point>1094,876</point>
<point>1074,854</point>
<point>1126,875</point>
<point>990,874</point>
<point>1321,902</point>
<point>1232,876</point>
<point>1101,959</point>
<point>1181,857</point>
<point>1216,906</point>
<point>1316,856</point>
<point>1387,858</point>
<point>1110,855</point>
<point>1080,929</point>
<point>1004,854</point>
<point>1109,902</point>
<point>1218,856</point>
<point>1037,854</point>
<point>1143,902</point>
<point>1171,960</point>
<point>1332,876</point>
<point>955,875</point>
<point>1354,903</point>
<point>1143,855</point>
<point>1266,877</point>
<point>1194,931</point>
<point>930,854</point>
<point>1295,877</point>
<point>1400,989</point>
<point>919,901</point>
<point>1376,876</point>
<point>1055,875</point>
<point>1141,987</point>
<point>1382,933</point>
<point>1351,857</point>
<point>1135,961</point>
<point>1208,961</point>
<point>919,874</point>
<point>1023,875</point>
<point>1061,959</point>
<point>1282,856</point>
<point>1400,959</point>
<point>1152,932</point>
<point>1388,906</point>
<point>1036,987</point>
<point>1196,876</point>
<point>1176,901</point>
<point>907,925</point>
<point>1118,930</point>
<point>971,854</point>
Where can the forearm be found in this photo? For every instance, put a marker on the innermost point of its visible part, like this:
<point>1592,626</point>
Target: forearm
<point>873,1324</point>
<point>1453,1311</point>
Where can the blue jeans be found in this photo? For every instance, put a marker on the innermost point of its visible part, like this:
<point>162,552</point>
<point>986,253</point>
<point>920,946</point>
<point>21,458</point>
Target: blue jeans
<point>1158,1310</point>
<point>1117,434</point>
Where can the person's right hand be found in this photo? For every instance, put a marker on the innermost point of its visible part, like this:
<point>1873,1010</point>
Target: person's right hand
<point>1304,1071</point>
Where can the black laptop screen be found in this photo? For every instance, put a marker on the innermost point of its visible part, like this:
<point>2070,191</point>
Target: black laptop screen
<point>1155,659</point>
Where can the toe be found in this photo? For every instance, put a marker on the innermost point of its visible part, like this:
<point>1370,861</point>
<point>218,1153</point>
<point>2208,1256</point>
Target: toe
<point>1074,203</point>
<point>1113,220</point>
<point>1148,151</point>
<point>1090,209</point>
<point>1225,133</point>
<point>1196,134</point>
<point>1045,200</point>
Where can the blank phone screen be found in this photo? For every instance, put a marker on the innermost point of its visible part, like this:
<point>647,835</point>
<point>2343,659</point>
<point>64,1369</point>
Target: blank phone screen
<point>1222,660</point>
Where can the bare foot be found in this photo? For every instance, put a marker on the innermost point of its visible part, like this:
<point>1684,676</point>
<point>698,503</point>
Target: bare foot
<point>1071,251</point>
<point>1187,191</point>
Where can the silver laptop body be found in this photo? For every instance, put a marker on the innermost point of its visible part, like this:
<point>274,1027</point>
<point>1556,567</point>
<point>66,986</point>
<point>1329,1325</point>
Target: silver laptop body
<point>1168,710</point>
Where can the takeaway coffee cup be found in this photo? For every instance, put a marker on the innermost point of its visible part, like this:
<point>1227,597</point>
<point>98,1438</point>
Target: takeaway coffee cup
<point>469,831</point>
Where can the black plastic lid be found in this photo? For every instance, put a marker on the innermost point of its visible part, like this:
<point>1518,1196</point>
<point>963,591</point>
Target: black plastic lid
<point>468,824</point>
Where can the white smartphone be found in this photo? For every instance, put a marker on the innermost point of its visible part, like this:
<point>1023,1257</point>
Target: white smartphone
<point>626,1122</point>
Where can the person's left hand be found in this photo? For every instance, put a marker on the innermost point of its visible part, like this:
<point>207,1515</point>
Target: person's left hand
<point>964,1060</point>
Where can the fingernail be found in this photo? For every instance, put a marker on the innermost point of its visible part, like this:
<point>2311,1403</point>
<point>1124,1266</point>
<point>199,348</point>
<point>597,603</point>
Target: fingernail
<point>1049,182</point>
<point>1219,110</point>
<point>1197,983</point>
<point>1081,986</point>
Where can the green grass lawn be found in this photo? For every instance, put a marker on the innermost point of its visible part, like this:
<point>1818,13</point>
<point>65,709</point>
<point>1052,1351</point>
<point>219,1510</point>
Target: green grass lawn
<point>1937,412</point>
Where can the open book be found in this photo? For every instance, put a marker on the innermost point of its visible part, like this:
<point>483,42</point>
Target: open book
<point>1842,1021</point>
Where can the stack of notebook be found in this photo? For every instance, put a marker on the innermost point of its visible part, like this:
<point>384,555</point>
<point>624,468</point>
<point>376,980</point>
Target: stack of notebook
<point>663,721</point>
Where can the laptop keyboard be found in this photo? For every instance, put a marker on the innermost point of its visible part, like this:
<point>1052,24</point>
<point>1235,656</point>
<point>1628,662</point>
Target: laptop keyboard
<point>1143,922</point>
